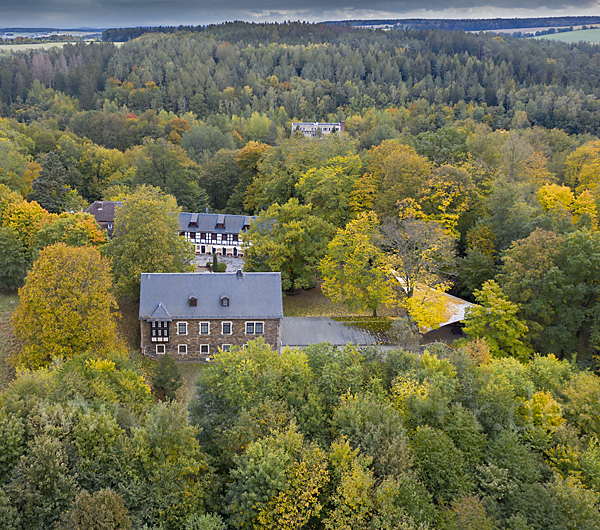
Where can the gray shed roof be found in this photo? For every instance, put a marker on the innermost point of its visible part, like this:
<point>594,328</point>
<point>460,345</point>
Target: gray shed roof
<point>207,222</point>
<point>252,295</point>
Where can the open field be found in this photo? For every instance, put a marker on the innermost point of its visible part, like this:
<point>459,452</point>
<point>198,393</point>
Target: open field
<point>5,48</point>
<point>584,35</point>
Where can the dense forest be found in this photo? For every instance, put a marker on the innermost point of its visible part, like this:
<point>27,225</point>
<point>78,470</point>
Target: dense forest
<point>470,163</point>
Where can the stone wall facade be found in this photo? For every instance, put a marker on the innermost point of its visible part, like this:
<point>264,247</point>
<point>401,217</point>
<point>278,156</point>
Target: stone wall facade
<point>200,347</point>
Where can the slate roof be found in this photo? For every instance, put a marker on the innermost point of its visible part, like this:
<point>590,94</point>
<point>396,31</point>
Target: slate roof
<point>104,211</point>
<point>252,295</point>
<point>207,222</point>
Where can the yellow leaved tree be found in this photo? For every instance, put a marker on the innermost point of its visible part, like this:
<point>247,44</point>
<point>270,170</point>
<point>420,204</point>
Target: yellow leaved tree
<point>66,306</point>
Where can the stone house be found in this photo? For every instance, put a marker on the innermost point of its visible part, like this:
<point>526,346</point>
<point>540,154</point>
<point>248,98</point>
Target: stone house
<point>190,316</point>
<point>214,233</point>
<point>104,213</point>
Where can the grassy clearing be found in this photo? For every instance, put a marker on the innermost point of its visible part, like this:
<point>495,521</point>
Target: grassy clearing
<point>584,35</point>
<point>6,48</point>
<point>313,303</point>
<point>189,373</point>
<point>8,343</point>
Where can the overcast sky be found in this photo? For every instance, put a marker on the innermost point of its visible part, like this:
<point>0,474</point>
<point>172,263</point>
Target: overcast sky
<point>118,13</point>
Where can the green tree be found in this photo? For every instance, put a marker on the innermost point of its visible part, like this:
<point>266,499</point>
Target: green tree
<point>167,166</point>
<point>204,522</point>
<point>354,270</point>
<point>12,259</point>
<point>571,291</point>
<point>65,306</point>
<point>50,188</point>
<point>108,380</point>
<point>172,477</point>
<point>167,378</point>
<point>12,442</point>
<point>42,485</point>
<point>288,239</point>
<point>201,142</point>
<point>220,175</point>
<point>146,240</point>
<point>103,510</point>
<point>329,188</point>
<point>441,465</point>
<point>282,167</point>
<point>497,322</point>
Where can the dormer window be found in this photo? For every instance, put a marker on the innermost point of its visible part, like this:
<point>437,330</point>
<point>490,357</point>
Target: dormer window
<point>225,301</point>
<point>193,223</point>
<point>193,301</point>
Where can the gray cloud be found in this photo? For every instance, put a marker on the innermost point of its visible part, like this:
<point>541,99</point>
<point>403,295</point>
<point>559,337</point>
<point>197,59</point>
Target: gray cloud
<point>116,13</point>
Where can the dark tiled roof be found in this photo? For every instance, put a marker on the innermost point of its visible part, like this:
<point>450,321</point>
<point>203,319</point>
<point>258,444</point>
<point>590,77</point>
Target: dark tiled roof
<point>104,211</point>
<point>252,295</point>
<point>207,222</point>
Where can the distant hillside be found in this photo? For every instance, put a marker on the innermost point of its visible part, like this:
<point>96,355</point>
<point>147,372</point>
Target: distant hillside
<point>490,24</point>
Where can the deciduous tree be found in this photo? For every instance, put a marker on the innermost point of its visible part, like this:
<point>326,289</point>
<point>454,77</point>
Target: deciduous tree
<point>497,321</point>
<point>354,270</point>
<point>146,240</point>
<point>288,239</point>
<point>66,306</point>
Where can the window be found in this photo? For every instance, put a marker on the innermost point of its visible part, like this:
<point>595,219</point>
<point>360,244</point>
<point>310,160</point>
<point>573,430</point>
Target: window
<point>193,301</point>
<point>182,349</point>
<point>181,328</point>
<point>254,328</point>
<point>160,331</point>
<point>204,349</point>
<point>160,349</point>
<point>225,301</point>
<point>204,328</point>
<point>226,328</point>
<point>226,347</point>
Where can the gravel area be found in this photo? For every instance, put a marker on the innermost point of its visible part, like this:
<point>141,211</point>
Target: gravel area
<point>233,264</point>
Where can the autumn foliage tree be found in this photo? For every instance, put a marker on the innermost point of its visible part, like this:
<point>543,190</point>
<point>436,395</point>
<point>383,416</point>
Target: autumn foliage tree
<point>146,240</point>
<point>66,306</point>
<point>354,270</point>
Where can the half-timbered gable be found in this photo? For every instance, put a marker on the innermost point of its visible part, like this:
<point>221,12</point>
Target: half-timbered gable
<point>215,233</point>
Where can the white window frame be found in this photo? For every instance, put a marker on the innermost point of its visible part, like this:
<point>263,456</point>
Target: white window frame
<point>180,347</point>
<point>254,323</point>
<point>202,346</point>
<point>161,346</point>
<point>230,328</point>
<point>200,328</point>
<point>226,347</point>
<point>186,328</point>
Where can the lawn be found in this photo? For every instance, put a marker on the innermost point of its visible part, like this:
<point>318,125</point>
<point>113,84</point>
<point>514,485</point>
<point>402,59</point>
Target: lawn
<point>587,35</point>
<point>313,303</point>
<point>8,344</point>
